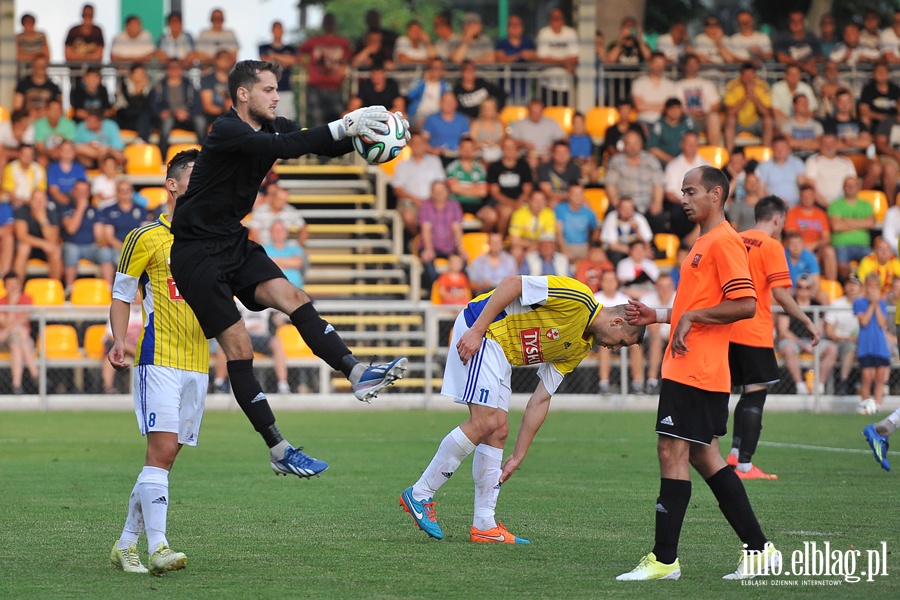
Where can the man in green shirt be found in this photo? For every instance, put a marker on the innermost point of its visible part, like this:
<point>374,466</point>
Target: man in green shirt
<point>52,129</point>
<point>850,218</point>
<point>467,181</point>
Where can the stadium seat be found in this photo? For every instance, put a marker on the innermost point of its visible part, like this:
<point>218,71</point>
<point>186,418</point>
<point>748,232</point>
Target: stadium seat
<point>758,153</point>
<point>45,291</point>
<point>156,196</point>
<point>669,244</point>
<point>389,167</point>
<point>2,289</point>
<point>143,159</point>
<point>860,161</point>
<point>717,156</point>
<point>294,346</point>
<point>4,114</point>
<point>512,112</point>
<point>128,136</point>
<point>597,200</point>
<point>474,244</point>
<point>562,115</point>
<point>176,148</point>
<point>93,341</point>
<point>62,342</point>
<point>878,200</point>
<point>90,291</point>
<point>598,120</point>
<point>833,289</point>
<point>182,136</point>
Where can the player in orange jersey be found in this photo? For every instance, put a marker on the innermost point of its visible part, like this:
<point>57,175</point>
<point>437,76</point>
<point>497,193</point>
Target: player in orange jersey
<point>715,290</point>
<point>751,353</point>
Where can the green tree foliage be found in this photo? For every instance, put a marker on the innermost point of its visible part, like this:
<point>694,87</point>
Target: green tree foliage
<point>775,12</point>
<point>661,13</point>
<point>394,14</point>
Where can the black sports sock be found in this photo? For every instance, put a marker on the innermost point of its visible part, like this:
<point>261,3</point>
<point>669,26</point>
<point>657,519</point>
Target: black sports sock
<point>735,505</point>
<point>737,427</point>
<point>674,495</point>
<point>322,339</point>
<point>252,400</point>
<point>751,419</point>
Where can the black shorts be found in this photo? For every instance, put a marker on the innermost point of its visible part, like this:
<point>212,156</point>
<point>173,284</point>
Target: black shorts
<point>870,361</point>
<point>752,365</point>
<point>209,273</point>
<point>691,414</point>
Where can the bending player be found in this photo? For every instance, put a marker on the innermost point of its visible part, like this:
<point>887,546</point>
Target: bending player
<point>548,321</point>
<point>714,291</point>
<point>172,374</point>
<point>214,260</point>
<point>751,353</point>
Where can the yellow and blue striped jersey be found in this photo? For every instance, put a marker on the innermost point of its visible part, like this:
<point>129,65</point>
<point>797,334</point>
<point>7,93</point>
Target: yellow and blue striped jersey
<point>171,336</point>
<point>546,324</point>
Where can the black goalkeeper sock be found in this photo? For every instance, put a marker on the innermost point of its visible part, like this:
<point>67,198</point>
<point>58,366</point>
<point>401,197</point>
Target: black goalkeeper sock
<point>322,339</point>
<point>735,505</point>
<point>751,423</point>
<point>674,495</point>
<point>252,400</point>
<point>738,424</point>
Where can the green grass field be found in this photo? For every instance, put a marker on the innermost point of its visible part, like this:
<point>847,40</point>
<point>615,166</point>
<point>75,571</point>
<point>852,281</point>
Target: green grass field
<point>585,497</point>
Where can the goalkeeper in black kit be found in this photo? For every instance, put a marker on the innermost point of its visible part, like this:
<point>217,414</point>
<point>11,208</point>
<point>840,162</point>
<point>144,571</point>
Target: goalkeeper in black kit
<point>214,260</point>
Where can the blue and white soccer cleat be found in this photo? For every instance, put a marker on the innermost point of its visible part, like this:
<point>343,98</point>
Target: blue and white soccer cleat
<point>879,445</point>
<point>377,377</point>
<point>297,463</point>
<point>422,513</point>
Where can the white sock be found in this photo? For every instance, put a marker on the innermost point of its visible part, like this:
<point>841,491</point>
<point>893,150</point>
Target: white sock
<point>890,423</point>
<point>454,449</point>
<point>134,522</point>
<point>153,486</point>
<point>277,451</point>
<point>744,467</point>
<point>356,372</point>
<point>735,452</point>
<point>486,473</point>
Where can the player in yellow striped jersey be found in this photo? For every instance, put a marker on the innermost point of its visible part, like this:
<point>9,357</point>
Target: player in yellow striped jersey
<point>171,375</point>
<point>548,321</point>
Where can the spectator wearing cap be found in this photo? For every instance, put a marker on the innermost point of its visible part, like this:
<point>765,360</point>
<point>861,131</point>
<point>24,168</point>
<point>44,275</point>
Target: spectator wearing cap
<point>652,92</point>
<point>851,219</point>
<point>134,44</point>
<point>812,223</point>
<point>84,42</point>
<point>557,48</point>
<point>474,45</point>
<point>748,106</point>
<point>666,133</point>
<point>89,94</point>
<point>701,100</point>
<point>546,259</point>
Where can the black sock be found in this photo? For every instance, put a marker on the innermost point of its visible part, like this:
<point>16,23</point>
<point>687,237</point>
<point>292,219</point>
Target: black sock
<point>322,339</point>
<point>735,505</point>
<point>674,495</point>
<point>751,419</point>
<point>737,427</point>
<point>252,400</point>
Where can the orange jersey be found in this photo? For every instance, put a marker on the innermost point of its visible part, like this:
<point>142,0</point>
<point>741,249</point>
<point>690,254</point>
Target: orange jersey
<point>768,269</point>
<point>812,223</point>
<point>716,269</point>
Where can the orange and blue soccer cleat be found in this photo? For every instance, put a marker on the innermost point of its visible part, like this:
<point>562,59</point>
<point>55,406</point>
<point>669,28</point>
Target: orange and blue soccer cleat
<point>497,535</point>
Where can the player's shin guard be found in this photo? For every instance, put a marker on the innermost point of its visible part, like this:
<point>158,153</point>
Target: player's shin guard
<point>252,400</point>
<point>735,505</point>
<point>322,339</point>
<point>674,495</point>
<point>751,423</point>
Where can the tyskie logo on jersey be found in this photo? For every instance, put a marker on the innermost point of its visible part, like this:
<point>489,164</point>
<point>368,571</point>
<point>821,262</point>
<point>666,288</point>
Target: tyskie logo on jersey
<point>531,346</point>
<point>174,294</point>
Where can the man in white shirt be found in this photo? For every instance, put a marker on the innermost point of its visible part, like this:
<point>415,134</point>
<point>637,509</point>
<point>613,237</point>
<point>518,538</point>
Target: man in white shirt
<point>701,100</point>
<point>134,44</point>
<point>412,180</point>
<point>675,44</point>
<point>748,44</point>
<point>850,51</point>
<point>650,92</point>
<point>536,133</point>
<point>216,38</point>
<point>889,40</point>
<point>609,295</point>
<point>711,45</point>
<point>829,170</point>
<point>680,165</point>
<point>663,296</point>
<point>557,46</point>
<point>783,93</point>
<point>277,207</point>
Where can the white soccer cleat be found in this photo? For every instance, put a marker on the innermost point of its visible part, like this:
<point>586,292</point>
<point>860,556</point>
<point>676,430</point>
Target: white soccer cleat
<point>756,564</point>
<point>649,568</point>
<point>127,560</point>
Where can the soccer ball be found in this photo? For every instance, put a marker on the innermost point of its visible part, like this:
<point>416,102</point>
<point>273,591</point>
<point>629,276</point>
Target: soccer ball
<point>383,147</point>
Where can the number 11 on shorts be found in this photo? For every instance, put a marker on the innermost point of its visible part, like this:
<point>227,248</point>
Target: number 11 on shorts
<point>483,396</point>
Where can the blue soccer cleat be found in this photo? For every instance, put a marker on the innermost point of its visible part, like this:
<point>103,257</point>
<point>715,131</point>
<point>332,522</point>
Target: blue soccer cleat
<point>879,445</point>
<point>297,463</point>
<point>422,513</point>
<point>377,377</point>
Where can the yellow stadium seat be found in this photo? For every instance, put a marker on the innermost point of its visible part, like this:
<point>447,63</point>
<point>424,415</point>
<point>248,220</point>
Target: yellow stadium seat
<point>878,200</point>
<point>717,156</point>
<point>2,289</point>
<point>156,196</point>
<point>90,291</point>
<point>176,148</point>
<point>62,342</point>
<point>93,341</point>
<point>758,153</point>
<point>474,244</point>
<point>143,159</point>
<point>512,112</point>
<point>599,119</point>
<point>390,166</point>
<point>562,115</point>
<point>669,244</point>
<point>4,114</point>
<point>597,200</point>
<point>45,291</point>
<point>294,346</point>
<point>182,134</point>
<point>128,135</point>
<point>833,289</point>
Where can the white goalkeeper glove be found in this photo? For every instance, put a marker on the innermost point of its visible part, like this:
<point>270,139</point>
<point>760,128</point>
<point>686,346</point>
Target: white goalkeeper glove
<point>404,122</point>
<point>367,121</point>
